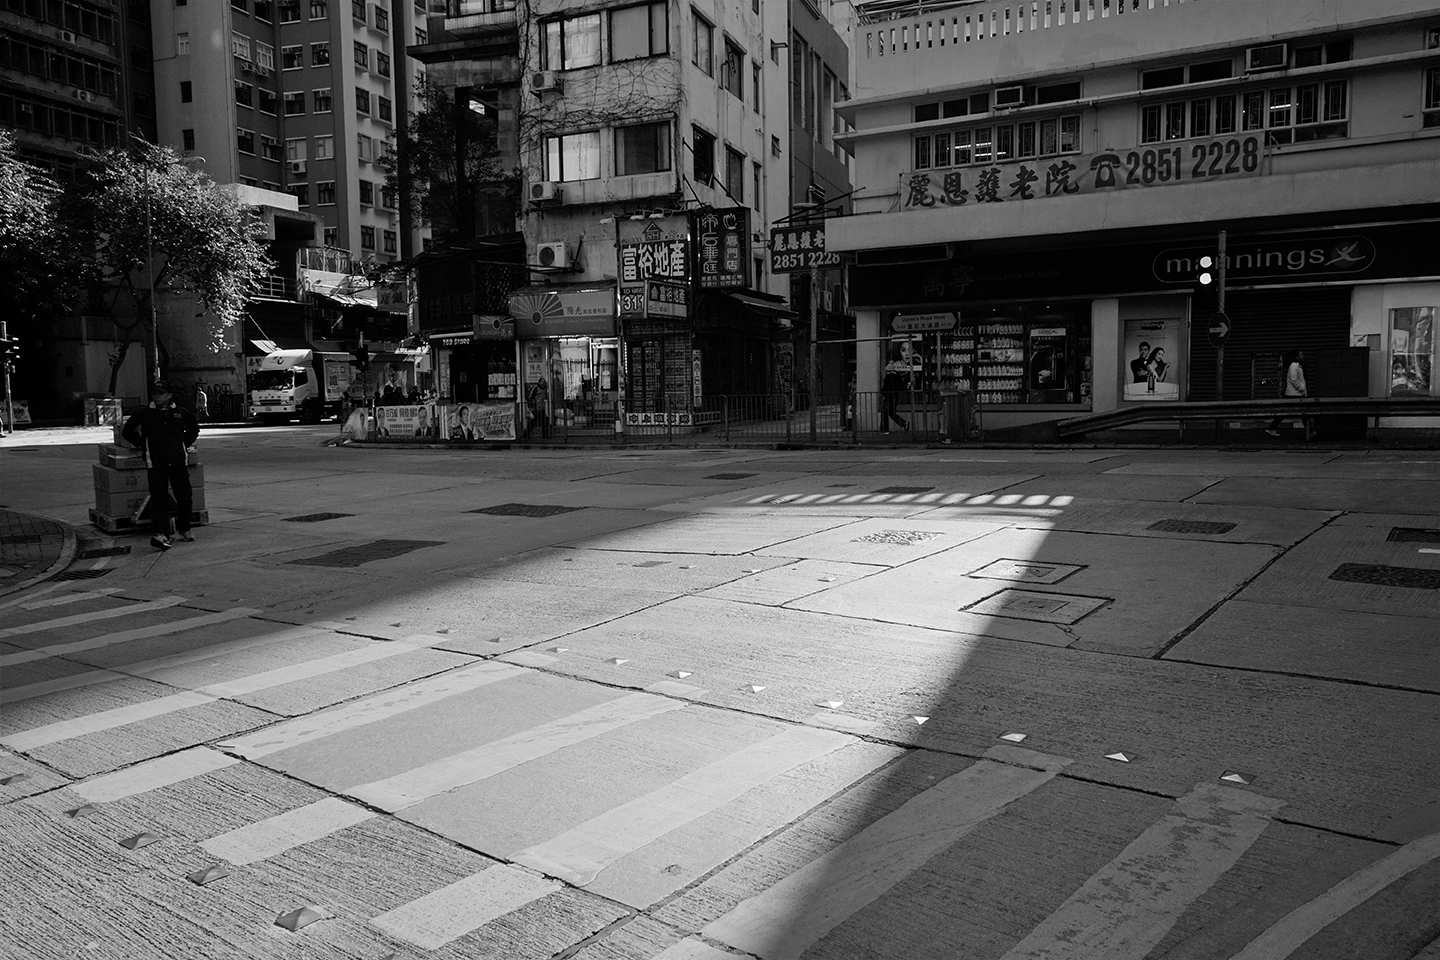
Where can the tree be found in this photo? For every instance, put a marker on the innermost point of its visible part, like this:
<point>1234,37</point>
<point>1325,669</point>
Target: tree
<point>34,257</point>
<point>445,164</point>
<point>141,210</point>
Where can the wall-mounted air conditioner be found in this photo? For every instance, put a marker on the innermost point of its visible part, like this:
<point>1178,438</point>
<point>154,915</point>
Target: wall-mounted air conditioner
<point>246,66</point>
<point>67,36</point>
<point>544,191</point>
<point>1008,98</point>
<point>552,254</point>
<point>297,166</point>
<point>1271,56</point>
<point>544,80</point>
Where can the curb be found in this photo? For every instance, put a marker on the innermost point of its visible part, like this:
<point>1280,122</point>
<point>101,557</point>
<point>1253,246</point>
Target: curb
<point>67,556</point>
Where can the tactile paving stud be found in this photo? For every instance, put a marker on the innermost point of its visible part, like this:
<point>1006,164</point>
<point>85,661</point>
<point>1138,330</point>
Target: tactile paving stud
<point>755,687</point>
<point>138,841</point>
<point>618,661</point>
<point>1120,756</point>
<point>1232,776</point>
<point>208,875</point>
<point>82,811</point>
<point>13,778</point>
<point>296,919</point>
<point>559,649</point>
<point>919,721</point>
<point>830,704</point>
<point>1014,737</point>
<point>395,624</point>
<point>681,674</point>
<point>447,630</point>
<point>755,570</point>
<point>827,579</point>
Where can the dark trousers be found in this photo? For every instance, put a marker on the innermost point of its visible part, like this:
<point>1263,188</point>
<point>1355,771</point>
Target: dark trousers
<point>163,480</point>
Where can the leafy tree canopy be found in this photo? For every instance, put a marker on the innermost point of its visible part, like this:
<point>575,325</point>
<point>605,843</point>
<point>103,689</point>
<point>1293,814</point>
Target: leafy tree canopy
<point>34,256</point>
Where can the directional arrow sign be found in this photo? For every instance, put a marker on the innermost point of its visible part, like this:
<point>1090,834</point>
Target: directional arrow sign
<point>1219,329</point>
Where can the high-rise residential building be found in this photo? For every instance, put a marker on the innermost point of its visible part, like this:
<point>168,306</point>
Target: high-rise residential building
<point>74,75</point>
<point>1051,193</point>
<point>300,96</point>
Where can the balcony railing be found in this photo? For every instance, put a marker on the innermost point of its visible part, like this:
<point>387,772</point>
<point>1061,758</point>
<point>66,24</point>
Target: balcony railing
<point>276,288</point>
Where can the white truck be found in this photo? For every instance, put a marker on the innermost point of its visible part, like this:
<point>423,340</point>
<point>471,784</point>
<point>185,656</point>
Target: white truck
<point>302,384</point>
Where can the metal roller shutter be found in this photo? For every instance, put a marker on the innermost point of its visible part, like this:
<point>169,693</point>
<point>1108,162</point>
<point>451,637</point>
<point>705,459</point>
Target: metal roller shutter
<point>1264,325</point>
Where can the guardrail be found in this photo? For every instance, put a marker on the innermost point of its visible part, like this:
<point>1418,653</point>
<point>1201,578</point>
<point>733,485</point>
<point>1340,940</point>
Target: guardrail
<point>1304,408</point>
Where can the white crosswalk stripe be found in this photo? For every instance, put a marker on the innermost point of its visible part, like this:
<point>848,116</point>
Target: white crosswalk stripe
<point>75,620</point>
<point>152,775</point>
<point>466,905</point>
<point>30,603</point>
<point>257,841</point>
<point>125,636</point>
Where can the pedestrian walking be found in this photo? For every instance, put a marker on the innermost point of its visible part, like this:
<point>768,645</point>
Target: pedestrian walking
<point>166,432</point>
<point>890,389</point>
<point>202,403</point>
<point>1294,387</point>
<point>538,399</point>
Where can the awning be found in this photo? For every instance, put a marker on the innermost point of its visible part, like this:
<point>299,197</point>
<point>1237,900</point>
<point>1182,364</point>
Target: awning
<point>284,360</point>
<point>264,347</point>
<point>766,308</point>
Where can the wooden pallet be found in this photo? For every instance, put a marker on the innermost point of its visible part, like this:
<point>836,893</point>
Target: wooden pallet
<point>198,518</point>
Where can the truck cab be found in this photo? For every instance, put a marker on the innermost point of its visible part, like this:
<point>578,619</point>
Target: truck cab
<point>289,384</point>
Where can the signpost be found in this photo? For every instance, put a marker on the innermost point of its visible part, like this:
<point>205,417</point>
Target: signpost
<point>1219,330</point>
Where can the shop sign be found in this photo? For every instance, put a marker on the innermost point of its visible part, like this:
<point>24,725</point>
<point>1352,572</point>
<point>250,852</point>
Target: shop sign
<point>659,419</point>
<point>1224,158</point>
<point>695,375</point>
<point>492,326</point>
<point>461,422</point>
<point>393,296</point>
<point>1311,257</point>
<point>453,340</point>
<point>922,322</point>
<point>563,313</point>
<point>666,299</point>
<point>797,248</point>
<point>722,248</point>
<point>646,249</point>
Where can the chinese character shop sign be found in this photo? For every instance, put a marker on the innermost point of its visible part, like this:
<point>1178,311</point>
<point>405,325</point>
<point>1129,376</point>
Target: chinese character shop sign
<point>1196,162</point>
<point>650,250</point>
<point>797,248</point>
<point>722,248</point>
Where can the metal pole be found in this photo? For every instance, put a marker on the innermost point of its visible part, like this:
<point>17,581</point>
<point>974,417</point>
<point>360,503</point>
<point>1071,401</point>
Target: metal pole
<point>814,336</point>
<point>9,397</point>
<point>150,270</point>
<point>1220,291</point>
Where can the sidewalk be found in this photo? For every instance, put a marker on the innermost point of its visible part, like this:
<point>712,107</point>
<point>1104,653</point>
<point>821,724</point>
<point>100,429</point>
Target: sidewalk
<point>31,549</point>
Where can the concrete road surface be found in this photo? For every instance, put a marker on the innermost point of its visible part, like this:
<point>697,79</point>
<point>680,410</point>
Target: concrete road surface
<point>994,704</point>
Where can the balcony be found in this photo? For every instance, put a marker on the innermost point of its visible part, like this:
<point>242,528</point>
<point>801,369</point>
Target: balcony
<point>274,287</point>
<point>467,19</point>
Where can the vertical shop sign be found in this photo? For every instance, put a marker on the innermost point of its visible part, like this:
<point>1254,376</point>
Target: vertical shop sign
<point>650,249</point>
<point>1150,365</point>
<point>722,248</point>
<point>695,361</point>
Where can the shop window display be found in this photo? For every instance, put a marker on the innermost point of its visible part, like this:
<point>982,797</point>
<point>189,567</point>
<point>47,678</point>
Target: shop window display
<point>1412,351</point>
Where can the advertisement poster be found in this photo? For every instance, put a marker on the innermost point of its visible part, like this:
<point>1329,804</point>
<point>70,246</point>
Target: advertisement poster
<point>1048,371</point>
<point>1149,362</point>
<point>465,422</point>
<point>415,422</point>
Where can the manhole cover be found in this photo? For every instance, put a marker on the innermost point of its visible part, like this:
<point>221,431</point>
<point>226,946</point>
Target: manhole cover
<point>526,510</point>
<point>1191,526</point>
<point>81,574</point>
<point>1026,571</point>
<point>1413,535</point>
<point>904,489</point>
<point>729,476</point>
<point>366,552</point>
<point>899,538</point>
<point>1382,576</point>
<point>317,517</point>
<point>1033,605</point>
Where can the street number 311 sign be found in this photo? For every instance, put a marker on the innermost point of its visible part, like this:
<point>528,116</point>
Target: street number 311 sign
<point>793,249</point>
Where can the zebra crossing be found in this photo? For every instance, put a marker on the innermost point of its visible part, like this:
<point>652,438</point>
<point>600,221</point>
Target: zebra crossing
<point>472,806</point>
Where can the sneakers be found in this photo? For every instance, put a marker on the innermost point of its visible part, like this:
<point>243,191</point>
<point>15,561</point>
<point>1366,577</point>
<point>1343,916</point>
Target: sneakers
<point>160,542</point>
<point>185,535</point>
<point>1273,433</point>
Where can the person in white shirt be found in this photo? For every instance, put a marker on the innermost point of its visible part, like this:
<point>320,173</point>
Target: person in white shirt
<point>1294,387</point>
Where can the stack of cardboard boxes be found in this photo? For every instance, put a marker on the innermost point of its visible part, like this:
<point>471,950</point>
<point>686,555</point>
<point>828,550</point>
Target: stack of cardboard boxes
<point>122,490</point>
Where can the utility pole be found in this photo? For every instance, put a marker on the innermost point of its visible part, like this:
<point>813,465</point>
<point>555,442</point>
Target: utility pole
<point>1220,307</point>
<point>5,348</point>
<point>814,336</point>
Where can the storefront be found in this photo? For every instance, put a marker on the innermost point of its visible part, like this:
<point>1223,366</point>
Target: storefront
<point>569,356</point>
<point>478,365</point>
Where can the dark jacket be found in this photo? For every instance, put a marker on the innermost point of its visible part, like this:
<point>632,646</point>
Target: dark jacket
<point>163,434</point>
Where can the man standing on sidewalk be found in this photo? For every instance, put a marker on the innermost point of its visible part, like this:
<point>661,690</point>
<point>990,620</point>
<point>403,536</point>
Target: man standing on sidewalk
<point>165,431</point>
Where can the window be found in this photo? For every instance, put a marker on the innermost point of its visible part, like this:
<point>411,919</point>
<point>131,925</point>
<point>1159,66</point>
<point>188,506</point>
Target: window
<point>755,85</point>
<point>704,149</point>
<point>755,169</point>
<point>295,103</point>
<point>320,53</point>
<point>387,198</point>
<point>364,148</point>
<point>295,149</point>
<point>382,19</point>
<point>321,100</point>
<point>187,138</point>
<point>186,91</point>
<point>636,32</point>
<point>289,11</point>
<point>1186,73</point>
<point>301,193</point>
<point>362,101</point>
<point>386,110</point>
<point>244,94</point>
<point>264,55</point>
<point>1000,143</point>
<point>245,139</point>
<point>421,37</point>
<point>292,58</point>
<point>575,156</point>
<point>367,238</point>
<point>262,11</point>
<point>1300,114</point>
<point>732,70</point>
<point>362,56</point>
<point>382,63</point>
<point>240,45</point>
<point>642,149</point>
<point>570,44</point>
<point>703,50</point>
<point>268,101</point>
<point>182,44</point>
<point>735,174</point>
<point>367,193</point>
<point>325,196</point>
<point>325,147</point>
<point>319,10</point>
<point>390,241</point>
<point>239,4</point>
<point>774,146</point>
<point>332,234</point>
<point>1432,97</point>
<point>269,148</point>
<point>357,10</point>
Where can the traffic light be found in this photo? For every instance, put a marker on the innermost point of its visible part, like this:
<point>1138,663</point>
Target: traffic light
<point>362,356</point>
<point>1205,272</point>
<point>9,347</point>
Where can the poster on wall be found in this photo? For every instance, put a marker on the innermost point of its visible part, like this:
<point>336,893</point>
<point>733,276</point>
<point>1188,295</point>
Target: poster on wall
<point>413,422</point>
<point>1048,366</point>
<point>466,422</point>
<point>1149,362</point>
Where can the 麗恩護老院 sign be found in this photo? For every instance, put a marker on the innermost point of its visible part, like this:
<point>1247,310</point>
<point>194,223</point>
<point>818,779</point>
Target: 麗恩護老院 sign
<point>797,248</point>
<point>666,299</point>
<point>923,322</point>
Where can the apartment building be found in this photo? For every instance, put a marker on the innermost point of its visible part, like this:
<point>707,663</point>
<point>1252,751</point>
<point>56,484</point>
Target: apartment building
<point>1039,184</point>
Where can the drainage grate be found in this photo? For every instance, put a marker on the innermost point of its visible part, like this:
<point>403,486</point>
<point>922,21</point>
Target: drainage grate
<point>729,476</point>
<point>899,538</point>
<point>103,552</point>
<point>81,574</point>
<point>317,517</point>
<point>1191,526</point>
<point>366,552</point>
<point>1413,535</point>
<point>1382,576</point>
<point>526,510</point>
<point>904,489</point>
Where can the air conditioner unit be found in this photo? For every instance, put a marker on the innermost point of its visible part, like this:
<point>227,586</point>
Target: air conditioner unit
<point>1008,98</point>
<point>67,36</point>
<point>544,190</point>
<point>297,166</point>
<point>1432,38</point>
<point>552,254</point>
<point>544,80</point>
<point>87,96</point>
<point>1271,56</point>
<point>246,66</point>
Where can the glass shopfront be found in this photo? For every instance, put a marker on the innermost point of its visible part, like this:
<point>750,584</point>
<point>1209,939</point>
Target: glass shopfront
<point>1412,351</point>
<point>577,376</point>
